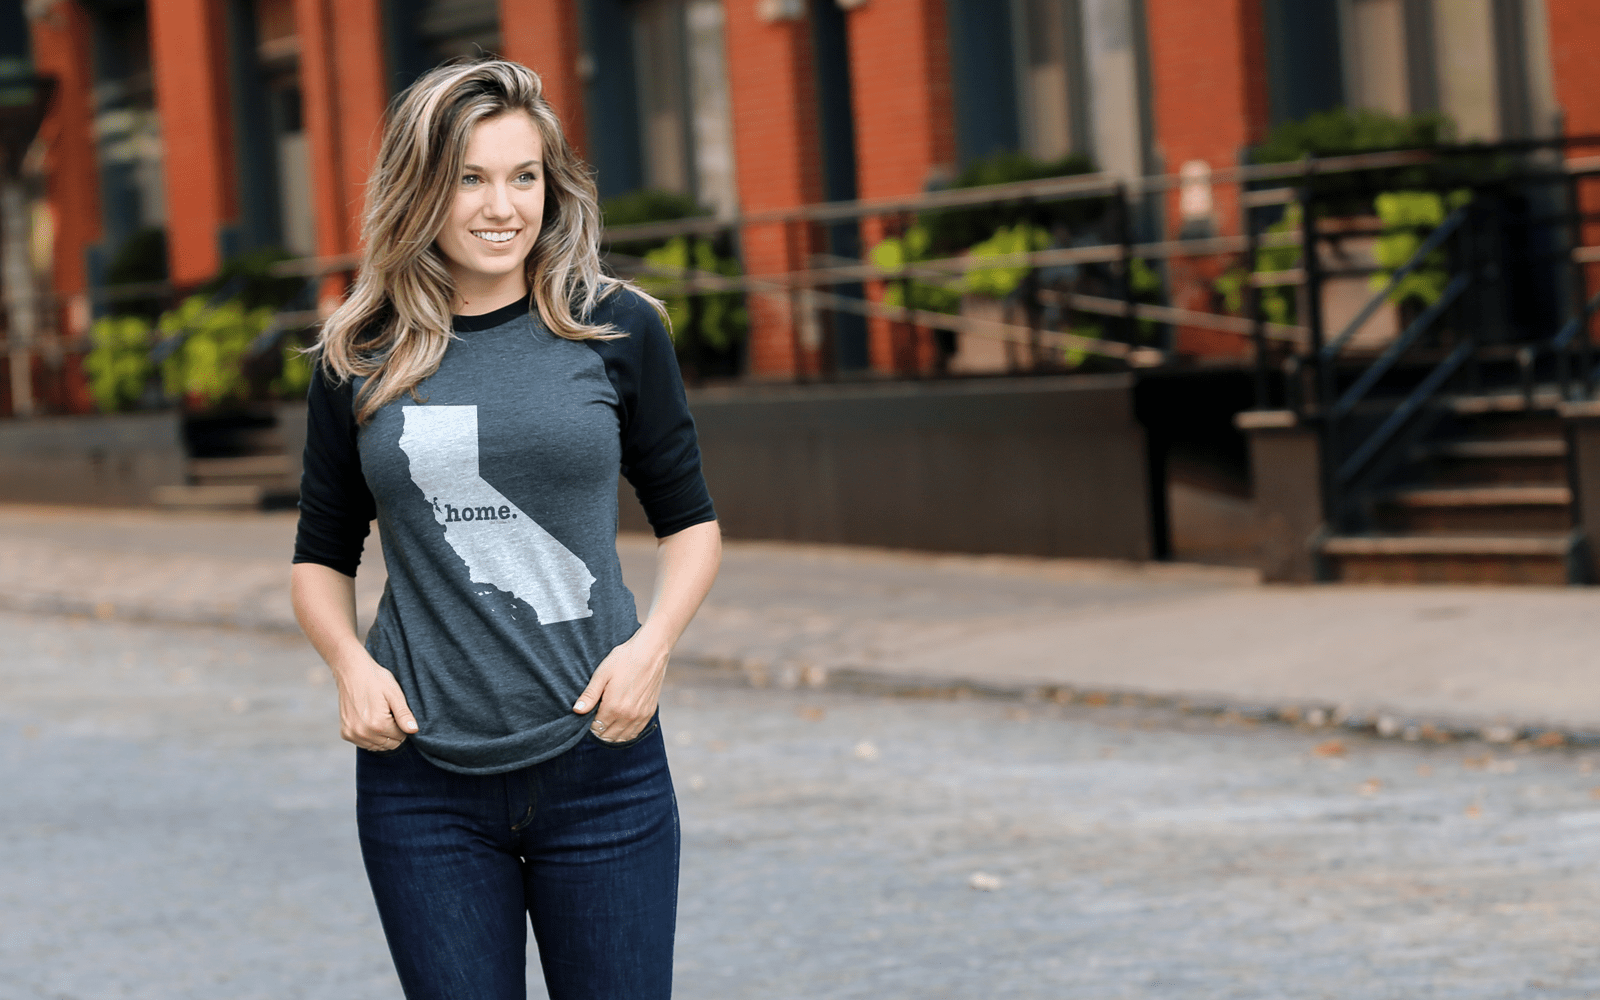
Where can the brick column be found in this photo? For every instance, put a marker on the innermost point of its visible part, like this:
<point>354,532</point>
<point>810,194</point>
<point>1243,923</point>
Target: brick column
<point>1575,64</point>
<point>771,81</point>
<point>543,35</point>
<point>1208,77</point>
<point>905,130</point>
<point>61,50</point>
<point>188,56</point>
<point>343,93</point>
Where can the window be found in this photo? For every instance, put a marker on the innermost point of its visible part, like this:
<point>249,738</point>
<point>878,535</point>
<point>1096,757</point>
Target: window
<point>686,136</point>
<point>1049,78</point>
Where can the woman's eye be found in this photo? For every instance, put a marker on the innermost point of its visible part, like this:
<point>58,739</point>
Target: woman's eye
<point>470,179</point>
<point>526,178</point>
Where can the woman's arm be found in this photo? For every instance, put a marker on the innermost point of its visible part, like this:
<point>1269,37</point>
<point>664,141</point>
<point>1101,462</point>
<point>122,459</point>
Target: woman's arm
<point>627,684</point>
<point>372,708</point>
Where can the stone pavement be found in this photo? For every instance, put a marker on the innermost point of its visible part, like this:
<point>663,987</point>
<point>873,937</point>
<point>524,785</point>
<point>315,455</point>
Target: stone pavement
<point>178,824</point>
<point>1407,661</point>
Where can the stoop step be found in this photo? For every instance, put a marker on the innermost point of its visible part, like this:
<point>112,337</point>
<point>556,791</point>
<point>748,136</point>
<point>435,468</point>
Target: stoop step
<point>1493,559</point>
<point>231,496</point>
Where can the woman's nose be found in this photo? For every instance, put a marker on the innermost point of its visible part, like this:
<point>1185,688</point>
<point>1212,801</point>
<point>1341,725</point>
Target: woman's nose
<point>497,203</point>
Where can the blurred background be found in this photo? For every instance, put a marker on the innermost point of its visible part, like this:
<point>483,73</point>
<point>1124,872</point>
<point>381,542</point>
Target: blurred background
<point>1026,340</point>
<point>934,215</point>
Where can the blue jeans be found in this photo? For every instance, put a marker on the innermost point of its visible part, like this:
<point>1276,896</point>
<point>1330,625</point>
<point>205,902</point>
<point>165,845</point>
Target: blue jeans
<point>585,844</point>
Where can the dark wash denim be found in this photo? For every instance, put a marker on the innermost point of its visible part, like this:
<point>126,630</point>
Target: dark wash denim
<point>585,844</point>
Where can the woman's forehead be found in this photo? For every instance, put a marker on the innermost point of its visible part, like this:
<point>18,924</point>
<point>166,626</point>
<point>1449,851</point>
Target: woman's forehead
<point>506,139</point>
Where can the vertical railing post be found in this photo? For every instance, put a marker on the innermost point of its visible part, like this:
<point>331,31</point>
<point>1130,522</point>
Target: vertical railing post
<point>1253,304</point>
<point>1130,324</point>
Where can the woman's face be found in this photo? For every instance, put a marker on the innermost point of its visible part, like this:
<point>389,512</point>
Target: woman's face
<point>499,202</point>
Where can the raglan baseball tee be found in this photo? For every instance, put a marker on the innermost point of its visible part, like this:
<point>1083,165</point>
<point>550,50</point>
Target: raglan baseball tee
<point>495,493</point>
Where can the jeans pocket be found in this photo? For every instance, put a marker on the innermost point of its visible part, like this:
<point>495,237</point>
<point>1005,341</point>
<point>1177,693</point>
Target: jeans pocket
<point>624,744</point>
<point>386,753</point>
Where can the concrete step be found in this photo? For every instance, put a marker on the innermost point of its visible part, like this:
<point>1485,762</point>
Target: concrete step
<point>1495,461</point>
<point>265,470</point>
<point>1496,509</point>
<point>1491,559</point>
<point>231,496</point>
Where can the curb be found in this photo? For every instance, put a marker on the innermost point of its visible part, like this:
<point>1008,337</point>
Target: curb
<point>1302,714</point>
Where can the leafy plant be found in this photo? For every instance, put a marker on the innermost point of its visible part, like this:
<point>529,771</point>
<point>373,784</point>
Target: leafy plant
<point>1002,281</point>
<point>648,205</point>
<point>1342,131</point>
<point>953,230</point>
<point>895,252</point>
<point>206,368</point>
<point>1277,301</point>
<point>723,321</point>
<point>119,363</point>
<point>1408,217</point>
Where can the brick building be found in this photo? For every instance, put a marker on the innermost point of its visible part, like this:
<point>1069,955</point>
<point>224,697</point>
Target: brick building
<point>239,124</point>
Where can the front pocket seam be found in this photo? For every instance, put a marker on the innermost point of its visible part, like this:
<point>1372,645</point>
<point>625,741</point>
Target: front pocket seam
<point>627,743</point>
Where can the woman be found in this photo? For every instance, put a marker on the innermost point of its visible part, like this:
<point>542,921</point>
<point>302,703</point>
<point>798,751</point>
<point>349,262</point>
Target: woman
<point>478,391</point>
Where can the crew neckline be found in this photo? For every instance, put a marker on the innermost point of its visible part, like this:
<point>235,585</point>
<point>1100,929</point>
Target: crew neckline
<point>490,319</point>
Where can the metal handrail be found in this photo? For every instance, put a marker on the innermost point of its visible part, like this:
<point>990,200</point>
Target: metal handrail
<point>1403,414</point>
<point>1441,233</point>
<point>1401,344</point>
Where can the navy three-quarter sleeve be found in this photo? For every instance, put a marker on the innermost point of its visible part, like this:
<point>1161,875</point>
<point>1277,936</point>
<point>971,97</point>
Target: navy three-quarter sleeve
<point>336,507</point>
<point>660,450</point>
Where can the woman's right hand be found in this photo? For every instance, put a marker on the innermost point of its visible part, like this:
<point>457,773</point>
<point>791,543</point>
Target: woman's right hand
<point>373,713</point>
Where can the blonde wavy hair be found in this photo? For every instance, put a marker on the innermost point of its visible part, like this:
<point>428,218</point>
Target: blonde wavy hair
<point>394,327</point>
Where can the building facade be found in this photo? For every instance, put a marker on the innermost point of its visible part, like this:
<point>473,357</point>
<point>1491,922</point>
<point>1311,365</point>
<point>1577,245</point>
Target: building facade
<point>233,125</point>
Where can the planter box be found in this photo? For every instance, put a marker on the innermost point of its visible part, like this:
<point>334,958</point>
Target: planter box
<point>115,460</point>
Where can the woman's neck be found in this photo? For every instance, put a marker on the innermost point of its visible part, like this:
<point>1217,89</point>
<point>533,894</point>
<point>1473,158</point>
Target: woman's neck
<point>476,297</point>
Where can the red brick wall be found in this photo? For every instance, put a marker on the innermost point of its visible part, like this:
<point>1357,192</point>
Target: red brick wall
<point>543,35</point>
<point>905,129</point>
<point>343,94</point>
<point>776,148</point>
<point>61,50</point>
<point>186,55</point>
<point>1208,75</point>
<point>1575,62</point>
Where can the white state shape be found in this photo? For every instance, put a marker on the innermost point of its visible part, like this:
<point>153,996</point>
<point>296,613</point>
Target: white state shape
<point>515,554</point>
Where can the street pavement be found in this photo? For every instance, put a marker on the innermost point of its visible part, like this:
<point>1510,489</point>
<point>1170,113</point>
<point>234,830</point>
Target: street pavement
<point>178,825</point>
<point>1406,661</point>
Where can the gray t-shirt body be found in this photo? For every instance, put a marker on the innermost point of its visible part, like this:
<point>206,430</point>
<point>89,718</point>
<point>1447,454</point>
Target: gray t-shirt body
<point>496,500</point>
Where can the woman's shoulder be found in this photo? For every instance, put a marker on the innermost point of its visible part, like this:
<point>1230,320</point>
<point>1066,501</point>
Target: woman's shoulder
<point>624,307</point>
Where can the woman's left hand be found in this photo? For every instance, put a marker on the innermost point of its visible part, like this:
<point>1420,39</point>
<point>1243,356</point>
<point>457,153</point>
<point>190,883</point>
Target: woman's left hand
<point>626,686</point>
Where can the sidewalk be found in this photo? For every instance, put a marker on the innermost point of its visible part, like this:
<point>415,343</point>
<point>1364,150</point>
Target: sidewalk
<point>1493,660</point>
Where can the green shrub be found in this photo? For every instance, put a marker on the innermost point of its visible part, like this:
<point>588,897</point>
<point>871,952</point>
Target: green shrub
<point>952,230</point>
<point>908,248</point>
<point>118,365</point>
<point>1408,217</point>
<point>1343,131</point>
<point>207,368</point>
<point>723,321</point>
<point>647,205</point>
<point>1277,301</point>
<point>1002,281</point>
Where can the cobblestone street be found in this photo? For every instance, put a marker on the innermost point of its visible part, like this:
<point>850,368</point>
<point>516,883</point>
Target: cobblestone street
<point>178,824</point>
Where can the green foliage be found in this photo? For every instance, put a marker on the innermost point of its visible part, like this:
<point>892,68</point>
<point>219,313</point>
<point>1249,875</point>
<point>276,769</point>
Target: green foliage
<point>898,251</point>
<point>249,278</point>
<point>1342,131</point>
<point>1002,281</point>
<point>723,321</point>
<point>1277,302</point>
<point>1408,217</point>
<point>955,229</point>
<point>647,205</point>
<point>118,365</point>
<point>206,369</point>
